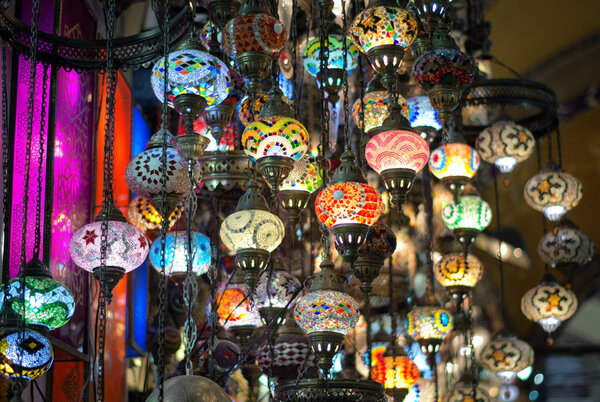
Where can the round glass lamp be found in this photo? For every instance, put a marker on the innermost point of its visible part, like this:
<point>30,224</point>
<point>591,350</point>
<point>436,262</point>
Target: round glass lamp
<point>467,216</point>
<point>429,325</point>
<point>234,308</point>
<point>463,392</point>
<point>25,354</point>
<point>549,304</point>
<point>458,274</point>
<point>335,54</point>
<point>553,192</point>
<point>454,164</point>
<point>379,244</point>
<point>275,290</point>
<point>423,117</point>
<point>506,356</point>
<point>505,144</point>
<point>145,217</point>
<point>566,246</point>
<point>275,136</point>
<point>176,253</point>
<point>297,187</point>
<point>400,373</point>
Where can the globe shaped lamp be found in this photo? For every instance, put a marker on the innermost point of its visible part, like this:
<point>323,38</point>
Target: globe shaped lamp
<point>467,216</point>
<point>326,314</point>
<point>423,117</point>
<point>397,154</point>
<point>553,191</point>
<point>454,164</point>
<point>566,246</point>
<point>253,39</point>
<point>25,354</point>
<point>549,304</point>
<point>234,308</point>
<point>126,248</point>
<point>296,189</point>
<point>400,373</point>
<point>276,288</point>
<point>506,355</point>
<point>458,274</point>
<point>505,144</point>
<point>146,218</point>
<point>466,391</point>
<point>383,31</point>
<point>379,244</point>
<point>348,206</point>
<point>252,232</point>
<point>176,254</point>
<point>428,325</point>
<point>44,303</point>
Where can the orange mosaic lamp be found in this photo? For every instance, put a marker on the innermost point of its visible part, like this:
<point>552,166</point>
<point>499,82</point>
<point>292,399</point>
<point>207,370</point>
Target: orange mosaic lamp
<point>400,373</point>
<point>458,274</point>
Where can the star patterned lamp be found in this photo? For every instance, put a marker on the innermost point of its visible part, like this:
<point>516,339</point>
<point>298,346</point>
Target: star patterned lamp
<point>349,207</point>
<point>24,354</point>
<point>553,192</point>
<point>126,247</point>
<point>253,39</point>
<point>454,163</point>
<point>326,314</point>
<point>44,303</point>
<point>252,232</point>
<point>505,355</point>
<point>296,189</point>
<point>566,246</point>
<point>276,288</point>
<point>467,216</point>
<point>379,245</point>
<point>383,31</point>
<point>505,144</point>
<point>458,274</point>
<point>176,253</point>
<point>549,304</point>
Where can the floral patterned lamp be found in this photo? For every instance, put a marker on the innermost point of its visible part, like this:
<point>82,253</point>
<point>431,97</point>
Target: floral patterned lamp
<point>467,216</point>
<point>506,355</point>
<point>566,247</point>
<point>505,144</point>
<point>458,274</point>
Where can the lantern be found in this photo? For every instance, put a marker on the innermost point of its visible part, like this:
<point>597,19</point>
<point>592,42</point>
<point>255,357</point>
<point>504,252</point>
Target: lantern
<point>553,191</point>
<point>234,308</point>
<point>465,391</point>
<point>467,216</point>
<point>429,325</point>
<point>423,117</point>
<point>399,375</point>
<point>176,253</point>
<point>145,217</point>
<point>431,12</point>
<point>24,354</point>
<point>276,288</point>
<point>422,391</point>
<point>505,144</point>
<point>458,274</point>
<point>379,244</point>
<point>250,107</point>
<point>454,164</point>
<point>296,189</point>
<point>566,246</point>
<point>506,355</point>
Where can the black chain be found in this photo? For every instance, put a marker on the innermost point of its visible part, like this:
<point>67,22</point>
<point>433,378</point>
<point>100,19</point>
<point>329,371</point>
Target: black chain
<point>361,86</point>
<point>41,145</point>
<point>428,199</point>
<point>5,164</point>
<point>345,81</point>
<point>294,56</point>
<point>500,262</point>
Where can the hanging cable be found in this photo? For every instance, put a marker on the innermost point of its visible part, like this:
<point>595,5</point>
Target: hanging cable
<point>500,262</point>
<point>559,148</point>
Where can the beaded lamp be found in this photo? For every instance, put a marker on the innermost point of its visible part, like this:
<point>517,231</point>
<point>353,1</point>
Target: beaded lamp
<point>126,247</point>
<point>24,354</point>
<point>383,31</point>
<point>454,163</point>
<point>44,303</point>
<point>379,244</point>
<point>505,144</point>
<point>176,253</point>
<point>276,288</point>
<point>467,216</point>
<point>458,274</point>
<point>252,232</point>
<point>145,217</point>
<point>296,189</point>
<point>549,304</point>
<point>553,192</point>
<point>506,355</point>
<point>566,246</point>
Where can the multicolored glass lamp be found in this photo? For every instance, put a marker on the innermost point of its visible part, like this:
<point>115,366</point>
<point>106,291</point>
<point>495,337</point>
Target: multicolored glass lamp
<point>505,144</point>
<point>142,214</point>
<point>349,207</point>
<point>467,216</point>
<point>397,153</point>
<point>176,254</point>
<point>423,117</point>
<point>549,304</point>
<point>379,245</point>
<point>326,314</point>
<point>252,232</point>
<point>253,39</point>
<point>294,192</point>
<point>276,140</point>
<point>400,373</point>
<point>457,274</point>
<point>126,248</point>
<point>566,247</point>
<point>553,192</point>
<point>505,355</point>
<point>383,31</point>
<point>428,324</point>
<point>44,303</point>
<point>422,391</point>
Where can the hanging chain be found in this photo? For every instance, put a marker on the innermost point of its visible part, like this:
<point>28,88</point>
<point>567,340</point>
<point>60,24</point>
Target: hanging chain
<point>294,56</point>
<point>361,86</point>
<point>38,201</point>
<point>500,262</point>
<point>345,80</point>
<point>190,285</point>
<point>428,199</point>
<point>5,163</point>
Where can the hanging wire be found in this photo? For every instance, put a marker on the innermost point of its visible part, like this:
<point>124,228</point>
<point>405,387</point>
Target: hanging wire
<point>345,80</point>
<point>550,152</point>
<point>294,57</point>
<point>428,201</point>
<point>559,148</point>
<point>358,4</point>
<point>500,262</point>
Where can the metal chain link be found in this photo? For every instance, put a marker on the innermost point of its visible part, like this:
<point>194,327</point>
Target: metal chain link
<point>294,56</point>
<point>190,285</point>
<point>428,199</point>
<point>361,86</point>
<point>41,145</point>
<point>345,78</point>
<point>5,164</point>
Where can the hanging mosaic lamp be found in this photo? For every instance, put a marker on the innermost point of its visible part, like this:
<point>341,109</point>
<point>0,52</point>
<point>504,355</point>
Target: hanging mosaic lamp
<point>383,31</point>
<point>276,288</point>
<point>144,173</point>
<point>377,101</point>
<point>349,207</point>
<point>397,154</point>
<point>399,375</point>
<point>44,303</point>
<point>252,232</point>
<point>431,12</point>
<point>505,355</point>
<point>423,117</point>
<point>250,106</point>
<point>176,254</point>
<point>444,72</point>
<point>553,192</point>
<point>505,144</point>
<point>466,390</point>
<point>458,274</point>
<point>566,246</point>
<point>549,304</point>
<point>146,218</point>
<point>276,140</point>
<point>326,314</point>
<point>222,11</point>
<point>253,39</point>
<point>379,245</point>
<point>428,324</point>
<point>234,308</point>
<point>296,189</point>
<point>467,216</point>
<point>422,391</point>
<point>126,247</point>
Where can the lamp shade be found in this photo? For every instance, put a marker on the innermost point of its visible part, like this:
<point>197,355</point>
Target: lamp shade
<point>506,356</point>
<point>454,160</point>
<point>400,372</point>
<point>252,229</point>
<point>454,272</point>
<point>192,71</point>
<point>566,245</point>
<point>382,25</point>
<point>505,144</point>
<point>334,44</point>
<point>176,253</point>
<point>443,67</point>
<point>422,114</point>
<point>258,32</point>
<point>25,354</point>
<point>397,149</point>
<point>468,212</point>
<point>463,392</point>
<point>549,304</point>
<point>376,109</point>
<point>305,176</point>
<point>380,242</point>
<point>276,289</point>
<point>428,323</point>
<point>553,192</point>
<point>145,217</point>
<point>348,202</point>
<point>234,308</point>
<point>127,247</point>
<point>275,136</point>
<point>326,310</point>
